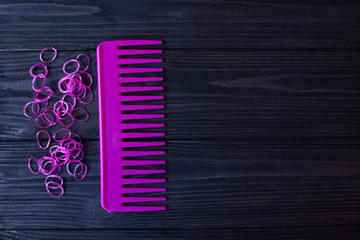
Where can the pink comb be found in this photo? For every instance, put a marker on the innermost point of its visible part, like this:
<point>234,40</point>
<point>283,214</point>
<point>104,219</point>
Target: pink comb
<point>114,165</point>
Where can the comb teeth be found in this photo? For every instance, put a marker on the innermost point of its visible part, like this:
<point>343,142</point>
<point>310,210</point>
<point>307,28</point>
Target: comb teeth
<point>140,98</point>
<point>140,208</point>
<point>139,79</point>
<point>137,52</point>
<point>115,184</point>
<point>142,162</point>
<point>124,43</point>
<point>140,153</point>
<point>140,107</point>
<point>140,116</point>
<point>125,61</point>
<point>141,125</point>
<point>138,70</point>
<point>140,89</point>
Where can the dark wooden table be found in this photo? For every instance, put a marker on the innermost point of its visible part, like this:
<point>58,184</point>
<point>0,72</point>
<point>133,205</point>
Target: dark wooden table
<point>263,118</point>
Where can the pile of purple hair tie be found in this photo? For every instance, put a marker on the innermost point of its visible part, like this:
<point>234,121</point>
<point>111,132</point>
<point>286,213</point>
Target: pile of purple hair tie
<point>67,149</point>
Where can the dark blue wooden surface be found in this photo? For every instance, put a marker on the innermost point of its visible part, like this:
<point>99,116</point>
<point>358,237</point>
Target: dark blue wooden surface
<point>262,118</point>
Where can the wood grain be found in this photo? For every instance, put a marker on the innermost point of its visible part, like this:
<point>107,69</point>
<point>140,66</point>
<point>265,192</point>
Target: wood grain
<point>233,95</point>
<point>262,105</point>
<point>183,24</point>
<point>295,233</point>
<point>243,185</point>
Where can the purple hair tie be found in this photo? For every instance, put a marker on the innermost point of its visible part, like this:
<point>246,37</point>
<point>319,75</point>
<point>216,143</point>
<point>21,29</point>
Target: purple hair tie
<point>41,90</point>
<point>75,172</point>
<point>48,118</point>
<point>88,61</point>
<point>54,176</point>
<point>38,141</point>
<point>72,98</point>
<point>83,172</point>
<point>77,66</point>
<point>42,52</point>
<point>38,76</point>
<point>40,122</point>
<point>39,65</point>
<point>76,136</point>
<point>34,113</point>
<point>56,186</point>
<point>44,161</point>
<point>87,90</point>
<point>81,110</point>
<point>89,77</point>
<point>63,156</point>
<point>63,121</point>
<point>66,136</point>
<point>61,108</point>
<point>29,165</point>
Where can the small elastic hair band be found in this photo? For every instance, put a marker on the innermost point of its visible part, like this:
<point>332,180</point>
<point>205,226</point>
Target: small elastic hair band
<point>80,110</point>
<point>41,90</point>
<point>38,140</point>
<point>54,176</point>
<point>89,77</point>
<point>88,61</point>
<point>29,165</point>
<point>83,172</point>
<point>38,76</point>
<point>47,160</point>
<point>77,66</point>
<point>40,122</point>
<point>39,65</point>
<point>49,188</point>
<point>63,121</point>
<point>34,113</point>
<point>64,138</point>
<point>61,108</point>
<point>87,90</point>
<point>42,52</point>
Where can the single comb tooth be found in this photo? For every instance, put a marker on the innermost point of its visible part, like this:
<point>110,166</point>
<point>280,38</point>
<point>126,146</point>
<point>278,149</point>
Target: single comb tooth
<point>140,125</point>
<point>120,43</point>
<point>141,180</point>
<point>142,162</point>
<point>142,135</point>
<point>138,70</point>
<point>141,208</point>
<point>139,107</point>
<point>140,116</point>
<point>142,199</point>
<point>125,52</point>
<point>141,144</point>
<point>126,61</point>
<point>139,79</point>
<point>140,98</point>
<point>140,153</point>
<point>141,171</point>
<point>140,89</point>
<point>142,190</point>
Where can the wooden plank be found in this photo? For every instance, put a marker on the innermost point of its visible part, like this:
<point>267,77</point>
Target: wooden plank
<point>262,118</point>
<point>230,95</point>
<point>182,24</point>
<point>295,233</point>
<point>233,184</point>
